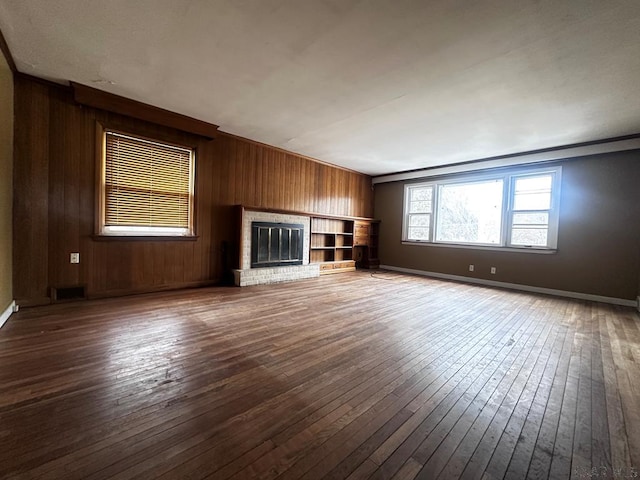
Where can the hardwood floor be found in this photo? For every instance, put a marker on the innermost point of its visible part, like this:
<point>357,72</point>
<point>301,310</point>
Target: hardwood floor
<point>347,376</point>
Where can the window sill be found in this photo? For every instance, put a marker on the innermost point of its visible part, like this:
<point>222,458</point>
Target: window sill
<point>541,251</point>
<point>145,238</point>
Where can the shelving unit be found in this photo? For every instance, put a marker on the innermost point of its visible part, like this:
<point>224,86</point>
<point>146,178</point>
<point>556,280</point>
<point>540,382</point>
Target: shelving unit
<point>332,244</point>
<point>337,244</point>
<point>342,244</point>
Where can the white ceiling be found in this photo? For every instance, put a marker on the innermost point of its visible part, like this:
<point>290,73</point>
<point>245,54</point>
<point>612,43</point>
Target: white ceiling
<point>377,86</point>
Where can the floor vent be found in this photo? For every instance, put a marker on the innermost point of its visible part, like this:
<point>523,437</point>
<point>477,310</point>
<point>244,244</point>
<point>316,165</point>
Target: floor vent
<point>66,294</point>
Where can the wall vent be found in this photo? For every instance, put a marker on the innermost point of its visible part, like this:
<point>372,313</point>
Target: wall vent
<point>67,294</point>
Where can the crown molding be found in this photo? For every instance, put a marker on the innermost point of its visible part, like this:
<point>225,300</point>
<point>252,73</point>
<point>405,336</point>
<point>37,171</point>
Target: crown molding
<point>619,144</point>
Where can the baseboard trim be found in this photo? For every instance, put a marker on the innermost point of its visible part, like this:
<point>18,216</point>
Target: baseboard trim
<point>33,302</point>
<point>154,289</point>
<point>517,286</point>
<point>7,313</point>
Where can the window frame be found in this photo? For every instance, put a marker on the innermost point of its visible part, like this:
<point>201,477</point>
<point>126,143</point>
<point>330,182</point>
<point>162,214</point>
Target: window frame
<point>508,178</point>
<point>553,210</point>
<point>406,222</point>
<point>466,181</point>
<point>103,231</point>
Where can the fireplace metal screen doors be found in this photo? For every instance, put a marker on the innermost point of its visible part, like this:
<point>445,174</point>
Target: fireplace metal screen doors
<point>276,244</point>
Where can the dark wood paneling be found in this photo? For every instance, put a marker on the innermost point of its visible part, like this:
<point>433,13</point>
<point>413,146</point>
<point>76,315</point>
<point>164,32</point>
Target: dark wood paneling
<point>387,376</point>
<point>55,199</point>
<point>31,198</point>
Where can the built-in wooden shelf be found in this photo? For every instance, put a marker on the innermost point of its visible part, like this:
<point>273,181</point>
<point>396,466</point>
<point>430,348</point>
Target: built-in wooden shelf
<point>341,244</point>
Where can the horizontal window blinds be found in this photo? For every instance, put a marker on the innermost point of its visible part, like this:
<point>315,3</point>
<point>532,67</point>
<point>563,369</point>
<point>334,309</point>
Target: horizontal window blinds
<point>147,184</point>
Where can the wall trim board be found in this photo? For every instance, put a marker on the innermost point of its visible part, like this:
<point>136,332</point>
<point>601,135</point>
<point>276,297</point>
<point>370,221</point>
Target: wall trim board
<point>516,286</point>
<point>125,292</point>
<point>536,157</point>
<point>59,85</point>
<point>7,53</point>
<point>92,97</point>
<point>156,289</point>
<point>33,302</point>
<point>4,316</point>
<point>250,208</point>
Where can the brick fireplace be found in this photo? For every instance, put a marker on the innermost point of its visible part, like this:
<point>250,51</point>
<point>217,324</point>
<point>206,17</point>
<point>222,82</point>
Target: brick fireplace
<point>246,275</point>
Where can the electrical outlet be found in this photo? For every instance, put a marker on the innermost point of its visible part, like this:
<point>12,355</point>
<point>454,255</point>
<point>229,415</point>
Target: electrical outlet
<point>74,258</point>
<point>493,270</point>
<point>471,268</point>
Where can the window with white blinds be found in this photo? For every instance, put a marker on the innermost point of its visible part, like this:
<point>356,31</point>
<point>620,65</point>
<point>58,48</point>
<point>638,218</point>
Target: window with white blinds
<point>147,187</point>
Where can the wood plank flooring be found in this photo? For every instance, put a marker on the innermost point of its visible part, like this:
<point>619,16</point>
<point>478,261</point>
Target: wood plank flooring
<point>358,375</point>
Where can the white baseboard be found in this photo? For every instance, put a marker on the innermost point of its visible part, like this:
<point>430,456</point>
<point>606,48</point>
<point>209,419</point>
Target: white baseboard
<point>517,286</point>
<point>4,316</point>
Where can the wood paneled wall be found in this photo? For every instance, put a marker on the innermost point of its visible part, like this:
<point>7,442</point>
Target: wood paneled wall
<point>54,201</point>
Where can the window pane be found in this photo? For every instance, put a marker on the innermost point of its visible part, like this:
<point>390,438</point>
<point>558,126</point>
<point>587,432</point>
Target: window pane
<point>532,201</point>
<point>420,207</point>
<point>533,193</point>
<point>419,220</point>
<point>419,227</point>
<point>532,184</point>
<point>421,193</point>
<point>538,218</point>
<point>418,233</point>
<point>420,199</point>
<point>529,236</point>
<point>470,213</point>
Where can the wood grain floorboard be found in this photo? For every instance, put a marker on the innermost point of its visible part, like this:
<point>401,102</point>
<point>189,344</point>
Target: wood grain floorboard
<point>432,413</point>
<point>354,376</point>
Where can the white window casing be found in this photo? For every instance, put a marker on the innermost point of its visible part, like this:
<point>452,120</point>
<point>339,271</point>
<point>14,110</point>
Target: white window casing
<point>512,210</point>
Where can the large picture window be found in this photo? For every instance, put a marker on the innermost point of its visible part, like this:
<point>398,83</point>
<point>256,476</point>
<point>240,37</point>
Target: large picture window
<point>518,210</point>
<point>146,187</point>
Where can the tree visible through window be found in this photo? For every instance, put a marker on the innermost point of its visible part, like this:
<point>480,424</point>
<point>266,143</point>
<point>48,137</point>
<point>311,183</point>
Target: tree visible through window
<point>516,209</point>
<point>470,213</point>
